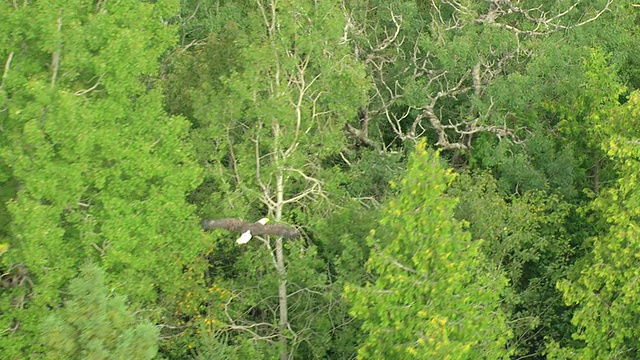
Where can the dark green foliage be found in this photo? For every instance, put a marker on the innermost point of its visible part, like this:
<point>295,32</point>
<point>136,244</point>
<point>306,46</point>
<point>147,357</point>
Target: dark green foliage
<point>524,236</point>
<point>370,175</point>
<point>541,164</point>
<point>8,190</point>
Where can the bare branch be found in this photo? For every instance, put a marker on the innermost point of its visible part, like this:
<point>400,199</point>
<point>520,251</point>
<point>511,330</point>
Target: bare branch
<point>362,134</point>
<point>55,57</point>
<point>102,250</point>
<point>544,23</point>
<point>314,189</point>
<point>382,47</point>
<point>7,66</point>
<point>82,92</point>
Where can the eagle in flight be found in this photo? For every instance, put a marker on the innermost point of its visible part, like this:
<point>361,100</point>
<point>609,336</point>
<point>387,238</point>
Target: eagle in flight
<point>250,229</point>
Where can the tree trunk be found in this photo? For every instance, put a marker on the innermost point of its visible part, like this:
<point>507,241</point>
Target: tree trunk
<point>282,272</point>
<point>596,174</point>
<point>282,299</point>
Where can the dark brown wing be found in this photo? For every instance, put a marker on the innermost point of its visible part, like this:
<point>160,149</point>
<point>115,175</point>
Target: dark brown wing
<point>285,231</point>
<point>229,224</point>
<point>256,228</point>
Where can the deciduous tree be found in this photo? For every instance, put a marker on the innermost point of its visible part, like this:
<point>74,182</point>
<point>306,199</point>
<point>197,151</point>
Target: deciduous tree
<point>606,291</point>
<point>271,124</point>
<point>101,172</point>
<point>434,294</point>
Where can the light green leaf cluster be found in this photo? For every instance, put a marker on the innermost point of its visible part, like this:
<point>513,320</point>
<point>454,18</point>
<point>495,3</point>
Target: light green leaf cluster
<point>434,296</point>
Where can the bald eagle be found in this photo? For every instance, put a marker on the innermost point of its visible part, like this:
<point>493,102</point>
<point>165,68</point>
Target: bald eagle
<point>246,236</point>
<point>250,229</point>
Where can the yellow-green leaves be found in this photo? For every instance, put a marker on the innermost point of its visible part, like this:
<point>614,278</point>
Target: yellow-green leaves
<point>434,295</point>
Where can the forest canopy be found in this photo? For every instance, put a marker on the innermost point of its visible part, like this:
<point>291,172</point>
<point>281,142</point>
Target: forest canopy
<point>434,179</point>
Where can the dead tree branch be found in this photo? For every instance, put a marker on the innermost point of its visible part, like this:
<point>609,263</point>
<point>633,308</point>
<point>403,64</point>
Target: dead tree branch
<point>383,46</point>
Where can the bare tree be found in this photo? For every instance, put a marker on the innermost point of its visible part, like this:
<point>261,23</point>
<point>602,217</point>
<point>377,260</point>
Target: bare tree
<point>294,96</point>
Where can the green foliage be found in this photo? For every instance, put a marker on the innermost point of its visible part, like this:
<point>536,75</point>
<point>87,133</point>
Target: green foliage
<point>543,164</point>
<point>434,295</point>
<point>96,324</point>
<point>567,160</point>
<point>584,121</point>
<point>525,236</point>
<point>102,171</point>
<point>617,36</point>
<point>606,293</point>
<point>371,173</point>
<point>271,91</point>
<point>340,240</point>
<point>303,112</point>
<point>8,189</point>
<point>244,87</point>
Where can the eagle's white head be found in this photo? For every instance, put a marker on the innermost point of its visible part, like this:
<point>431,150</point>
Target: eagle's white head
<point>263,221</point>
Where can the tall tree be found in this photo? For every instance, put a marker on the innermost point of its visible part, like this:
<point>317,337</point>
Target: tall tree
<point>606,291</point>
<point>275,87</point>
<point>101,170</point>
<point>435,295</point>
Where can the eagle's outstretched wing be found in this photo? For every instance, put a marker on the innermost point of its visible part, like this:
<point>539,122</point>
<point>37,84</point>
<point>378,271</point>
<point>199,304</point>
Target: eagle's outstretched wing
<point>256,228</point>
<point>229,224</point>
